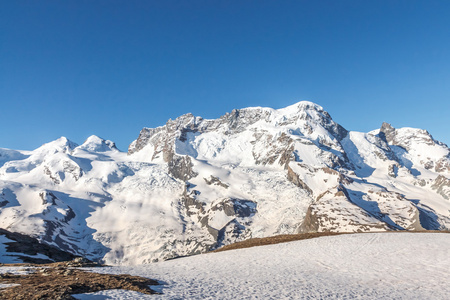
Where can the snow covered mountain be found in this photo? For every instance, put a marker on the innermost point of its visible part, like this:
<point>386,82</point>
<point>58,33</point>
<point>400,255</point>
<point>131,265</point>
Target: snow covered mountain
<point>194,184</point>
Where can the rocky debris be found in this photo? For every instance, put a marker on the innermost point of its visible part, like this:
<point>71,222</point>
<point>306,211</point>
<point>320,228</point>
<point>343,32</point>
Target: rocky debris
<point>442,186</point>
<point>427,164</point>
<point>61,282</point>
<point>192,209</point>
<point>77,262</point>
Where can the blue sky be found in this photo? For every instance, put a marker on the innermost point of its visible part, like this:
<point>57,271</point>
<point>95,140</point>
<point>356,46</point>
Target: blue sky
<point>77,68</point>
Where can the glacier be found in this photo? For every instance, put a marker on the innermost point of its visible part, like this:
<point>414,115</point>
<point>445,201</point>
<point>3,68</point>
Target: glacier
<point>194,184</point>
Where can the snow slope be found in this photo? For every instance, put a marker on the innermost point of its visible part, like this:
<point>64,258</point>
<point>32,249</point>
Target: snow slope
<point>194,184</point>
<point>361,266</point>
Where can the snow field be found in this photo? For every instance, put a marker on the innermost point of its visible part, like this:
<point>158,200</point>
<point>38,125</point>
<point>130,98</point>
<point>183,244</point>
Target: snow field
<point>358,266</point>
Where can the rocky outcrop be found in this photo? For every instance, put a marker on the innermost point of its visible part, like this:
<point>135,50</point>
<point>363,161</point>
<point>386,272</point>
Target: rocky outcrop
<point>195,184</point>
<point>443,165</point>
<point>52,176</point>
<point>387,133</point>
<point>278,149</point>
<point>334,212</point>
<point>405,137</point>
<point>442,186</point>
<point>215,181</point>
<point>24,247</point>
<point>180,167</point>
<point>393,170</point>
<point>235,207</point>
<point>311,222</point>
<point>341,210</point>
<point>295,179</point>
<point>48,198</point>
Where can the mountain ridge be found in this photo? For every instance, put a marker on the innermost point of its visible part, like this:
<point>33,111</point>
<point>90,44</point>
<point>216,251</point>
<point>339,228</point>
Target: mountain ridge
<point>194,184</point>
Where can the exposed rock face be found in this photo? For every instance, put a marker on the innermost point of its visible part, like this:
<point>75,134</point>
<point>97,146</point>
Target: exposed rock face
<point>279,149</point>
<point>295,179</point>
<point>194,184</point>
<point>442,186</point>
<point>435,157</point>
<point>393,170</point>
<point>235,208</point>
<point>341,210</point>
<point>387,133</point>
<point>224,219</point>
<point>180,167</point>
<point>334,211</point>
<point>405,137</point>
<point>29,250</point>
<point>47,198</point>
<point>443,165</point>
<point>216,181</point>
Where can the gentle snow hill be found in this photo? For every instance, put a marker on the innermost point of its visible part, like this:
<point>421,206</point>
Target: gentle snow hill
<point>357,266</point>
<point>194,184</point>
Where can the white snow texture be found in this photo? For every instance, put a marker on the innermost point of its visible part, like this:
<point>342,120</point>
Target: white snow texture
<point>358,266</point>
<point>193,184</point>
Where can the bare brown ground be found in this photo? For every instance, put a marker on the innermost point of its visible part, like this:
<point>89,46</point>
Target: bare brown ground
<point>297,237</point>
<point>61,282</point>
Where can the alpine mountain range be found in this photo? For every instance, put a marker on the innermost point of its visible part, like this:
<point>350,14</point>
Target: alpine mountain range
<point>194,184</point>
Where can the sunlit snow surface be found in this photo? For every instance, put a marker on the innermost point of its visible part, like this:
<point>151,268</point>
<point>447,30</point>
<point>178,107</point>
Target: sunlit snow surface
<point>359,266</point>
<point>275,172</point>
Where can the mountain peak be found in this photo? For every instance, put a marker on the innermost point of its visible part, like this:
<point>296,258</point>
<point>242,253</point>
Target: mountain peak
<point>252,172</point>
<point>387,132</point>
<point>97,144</point>
<point>304,105</point>
<point>61,144</point>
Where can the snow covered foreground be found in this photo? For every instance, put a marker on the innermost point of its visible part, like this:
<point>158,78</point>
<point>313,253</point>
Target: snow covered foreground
<point>359,266</point>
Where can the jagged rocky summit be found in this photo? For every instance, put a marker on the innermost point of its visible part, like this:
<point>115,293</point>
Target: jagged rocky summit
<point>194,184</point>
